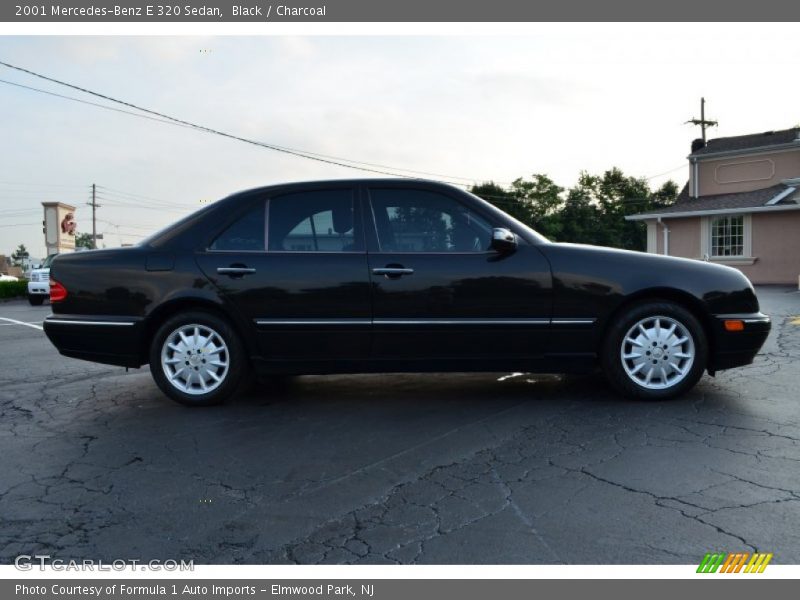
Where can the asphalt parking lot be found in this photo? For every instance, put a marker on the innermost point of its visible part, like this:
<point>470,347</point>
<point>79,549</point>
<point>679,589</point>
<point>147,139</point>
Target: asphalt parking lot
<point>479,468</point>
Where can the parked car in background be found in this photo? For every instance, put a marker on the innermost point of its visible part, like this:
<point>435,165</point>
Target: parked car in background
<point>4,277</point>
<point>39,282</point>
<point>392,276</point>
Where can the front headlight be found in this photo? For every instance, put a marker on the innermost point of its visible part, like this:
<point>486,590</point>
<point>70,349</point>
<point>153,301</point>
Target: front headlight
<point>34,276</point>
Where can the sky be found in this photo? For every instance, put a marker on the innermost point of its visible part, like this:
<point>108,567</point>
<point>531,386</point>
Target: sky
<point>558,100</point>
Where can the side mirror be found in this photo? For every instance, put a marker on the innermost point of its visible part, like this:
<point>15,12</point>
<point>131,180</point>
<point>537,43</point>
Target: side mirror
<point>503,240</point>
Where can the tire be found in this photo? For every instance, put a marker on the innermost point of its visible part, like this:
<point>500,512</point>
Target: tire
<point>639,343</point>
<point>35,300</point>
<point>206,377</point>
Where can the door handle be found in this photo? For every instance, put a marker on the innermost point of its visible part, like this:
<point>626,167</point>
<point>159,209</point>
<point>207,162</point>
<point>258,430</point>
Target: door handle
<point>392,272</point>
<point>235,271</point>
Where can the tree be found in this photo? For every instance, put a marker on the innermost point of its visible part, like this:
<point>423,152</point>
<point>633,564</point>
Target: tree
<point>535,202</point>
<point>542,200</point>
<point>501,198</point>
<point>20,255</point>
<point>593,211</point>
<point>84,240</point>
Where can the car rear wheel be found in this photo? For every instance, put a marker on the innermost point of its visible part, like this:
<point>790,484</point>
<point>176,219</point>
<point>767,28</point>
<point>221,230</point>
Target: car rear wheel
<point>35,300</point>
<point>656,350</point>
<point>197,359</point>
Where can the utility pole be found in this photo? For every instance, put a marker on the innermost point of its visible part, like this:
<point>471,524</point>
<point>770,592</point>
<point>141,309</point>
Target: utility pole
<point>702,121</point>
<point>94,206</point>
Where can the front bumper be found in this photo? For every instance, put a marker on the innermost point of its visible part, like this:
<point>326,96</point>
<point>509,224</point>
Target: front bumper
<point>104,339</point>
<point>737,348</point>
<point>39,288</point>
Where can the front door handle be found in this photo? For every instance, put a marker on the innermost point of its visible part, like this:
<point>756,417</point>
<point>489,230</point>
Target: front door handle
<point>235,271</point>
<point>392,272</point>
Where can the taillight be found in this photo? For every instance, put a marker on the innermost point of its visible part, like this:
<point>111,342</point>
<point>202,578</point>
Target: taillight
<point>57,291</point>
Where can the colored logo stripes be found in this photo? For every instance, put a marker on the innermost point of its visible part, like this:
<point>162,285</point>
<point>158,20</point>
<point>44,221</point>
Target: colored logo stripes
<point>734,563</point>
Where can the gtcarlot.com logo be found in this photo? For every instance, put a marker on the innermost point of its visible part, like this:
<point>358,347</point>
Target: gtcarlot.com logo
<point>737,562</point>
<point>26,562</point>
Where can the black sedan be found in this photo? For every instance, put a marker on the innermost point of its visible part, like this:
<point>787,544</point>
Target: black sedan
<point>392,276</point>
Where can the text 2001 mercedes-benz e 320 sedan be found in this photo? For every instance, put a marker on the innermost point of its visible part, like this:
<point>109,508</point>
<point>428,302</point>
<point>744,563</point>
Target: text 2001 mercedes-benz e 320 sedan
<point>385,275</point>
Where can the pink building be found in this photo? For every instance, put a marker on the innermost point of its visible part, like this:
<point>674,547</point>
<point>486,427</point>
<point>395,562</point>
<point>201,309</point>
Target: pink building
<point>741,207</point>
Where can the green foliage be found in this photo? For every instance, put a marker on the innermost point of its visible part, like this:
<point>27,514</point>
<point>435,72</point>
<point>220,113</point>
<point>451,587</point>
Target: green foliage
<point>591,212</point>
<point>19,255</point>
<point>84,240</point>
<point>13,289</point>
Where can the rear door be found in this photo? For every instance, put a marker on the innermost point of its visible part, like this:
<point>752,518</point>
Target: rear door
<point>440,291</point>
<point>295,267</point>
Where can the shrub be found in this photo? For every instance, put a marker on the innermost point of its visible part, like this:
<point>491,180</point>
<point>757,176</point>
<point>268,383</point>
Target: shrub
<point>13,289</point>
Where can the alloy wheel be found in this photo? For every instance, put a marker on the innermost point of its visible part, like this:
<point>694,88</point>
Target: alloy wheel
<point>195,359</point>
<point>657,352</point>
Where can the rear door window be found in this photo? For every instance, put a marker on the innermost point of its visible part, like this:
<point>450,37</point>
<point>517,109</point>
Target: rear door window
<point>246,234</point>
<point>317,221</point>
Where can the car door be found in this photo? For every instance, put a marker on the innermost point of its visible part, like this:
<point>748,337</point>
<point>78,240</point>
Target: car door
<point>440,291</point>
<point>301,280</point>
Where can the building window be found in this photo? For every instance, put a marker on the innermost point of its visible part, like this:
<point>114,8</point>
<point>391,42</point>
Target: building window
<point>727,236</point>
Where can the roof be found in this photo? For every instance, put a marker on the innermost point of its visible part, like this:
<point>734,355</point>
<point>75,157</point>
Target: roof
<point>751,141</point>
<point>288,186</point>
<point>776,197</point>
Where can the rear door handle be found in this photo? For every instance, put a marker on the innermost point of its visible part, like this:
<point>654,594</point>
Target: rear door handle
<point>235,271</point>
<point>392,271</point>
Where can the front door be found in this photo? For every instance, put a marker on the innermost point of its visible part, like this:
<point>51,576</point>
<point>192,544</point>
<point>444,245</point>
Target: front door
<point>301,281</point>
<point>441,292</point>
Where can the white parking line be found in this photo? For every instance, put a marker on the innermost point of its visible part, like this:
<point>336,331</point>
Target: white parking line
<point>15,322</point>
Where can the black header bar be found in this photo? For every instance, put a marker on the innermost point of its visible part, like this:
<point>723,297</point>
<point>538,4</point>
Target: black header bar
<point>220,11</point>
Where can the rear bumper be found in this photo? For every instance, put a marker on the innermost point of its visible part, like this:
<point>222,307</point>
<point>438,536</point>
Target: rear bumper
<point>737,348</point>
<point>109,340</point>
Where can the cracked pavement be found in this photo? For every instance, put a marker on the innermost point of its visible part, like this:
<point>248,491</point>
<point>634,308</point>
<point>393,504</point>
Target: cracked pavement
<point>472,468</point>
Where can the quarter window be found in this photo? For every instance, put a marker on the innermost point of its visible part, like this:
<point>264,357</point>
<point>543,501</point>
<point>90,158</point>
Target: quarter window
<point>423,221</point>
<point>246,234</point>
<point>320,221</point>
<point>727,236</point>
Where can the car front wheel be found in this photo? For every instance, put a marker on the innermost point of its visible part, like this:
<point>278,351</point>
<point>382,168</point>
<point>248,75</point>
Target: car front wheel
<point>35,300</point>
<point>656,350</point>
<point>197,359</point>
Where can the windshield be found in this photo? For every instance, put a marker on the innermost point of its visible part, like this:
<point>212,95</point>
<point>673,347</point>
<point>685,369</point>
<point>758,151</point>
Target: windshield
<point>47,261</point>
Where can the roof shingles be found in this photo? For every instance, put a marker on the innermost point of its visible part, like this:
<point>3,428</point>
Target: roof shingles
<point>750,141</point>
<point>737,200</point>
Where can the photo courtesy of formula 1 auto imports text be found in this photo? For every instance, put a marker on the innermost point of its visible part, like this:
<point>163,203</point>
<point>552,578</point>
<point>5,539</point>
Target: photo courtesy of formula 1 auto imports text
<point>374,301</point>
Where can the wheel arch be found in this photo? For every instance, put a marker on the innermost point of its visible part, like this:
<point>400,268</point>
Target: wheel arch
<point>177,305</point>
<point>655,294</point>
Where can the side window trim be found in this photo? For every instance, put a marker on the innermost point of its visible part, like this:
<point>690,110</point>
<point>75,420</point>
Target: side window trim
<point>368,200</point>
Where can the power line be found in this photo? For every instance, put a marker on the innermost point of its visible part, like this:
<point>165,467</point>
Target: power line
<point>332,160</point>
<point>681,166</point>
<point>116,203</point>
<point>116,191</point>
<point>73,99</point>
<point>125,226</point>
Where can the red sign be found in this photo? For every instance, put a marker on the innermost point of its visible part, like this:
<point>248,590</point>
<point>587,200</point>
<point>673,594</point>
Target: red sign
<point>68,225</point>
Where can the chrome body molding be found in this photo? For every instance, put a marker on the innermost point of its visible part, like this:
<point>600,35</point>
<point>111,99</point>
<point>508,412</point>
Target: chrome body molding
<point>313,322</point>
<point>343,322</point>
<point>573,321</point>
<point>51,321</point>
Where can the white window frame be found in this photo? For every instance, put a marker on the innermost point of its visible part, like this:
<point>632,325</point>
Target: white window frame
<point>706,237</point>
